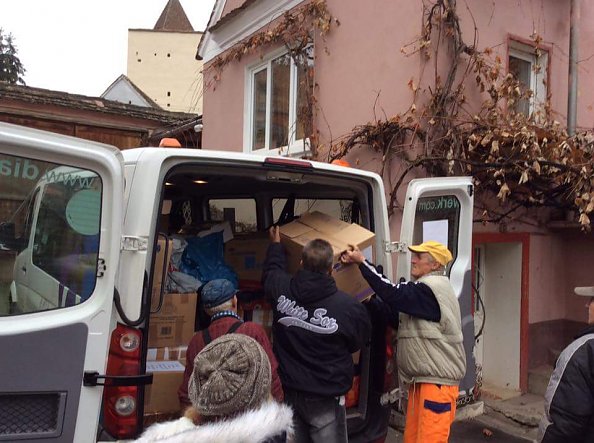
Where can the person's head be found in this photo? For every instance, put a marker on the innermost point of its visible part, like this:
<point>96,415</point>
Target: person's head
<point>588,291</point>
<point>429,256</point>
<point>317,256</point>
<point>231,375</point>
<point>218,296</point>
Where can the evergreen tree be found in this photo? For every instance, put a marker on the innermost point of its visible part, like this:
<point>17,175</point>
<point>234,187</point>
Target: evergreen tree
<point>11,68</point>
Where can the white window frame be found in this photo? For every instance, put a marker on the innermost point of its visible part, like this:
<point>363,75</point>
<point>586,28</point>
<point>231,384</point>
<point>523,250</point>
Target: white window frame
<point>539,89</point>
<point>295,147</point>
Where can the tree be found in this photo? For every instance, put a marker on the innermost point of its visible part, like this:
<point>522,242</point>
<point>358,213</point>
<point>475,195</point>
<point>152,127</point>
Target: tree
<point>11,68</point>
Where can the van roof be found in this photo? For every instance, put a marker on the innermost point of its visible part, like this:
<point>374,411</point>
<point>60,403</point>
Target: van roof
<point>136,155</point>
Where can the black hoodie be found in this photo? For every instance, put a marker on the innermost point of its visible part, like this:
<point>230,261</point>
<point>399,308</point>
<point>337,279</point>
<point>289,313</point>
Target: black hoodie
<point>315,327</point>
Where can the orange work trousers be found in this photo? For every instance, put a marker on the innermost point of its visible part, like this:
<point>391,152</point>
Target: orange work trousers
<point>430,412</point>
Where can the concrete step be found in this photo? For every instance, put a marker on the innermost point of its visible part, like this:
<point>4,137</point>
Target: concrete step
<point>538,379</point>
<point>526,409</point>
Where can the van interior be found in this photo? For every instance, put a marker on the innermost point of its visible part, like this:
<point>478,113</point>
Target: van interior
<point>237,205</point>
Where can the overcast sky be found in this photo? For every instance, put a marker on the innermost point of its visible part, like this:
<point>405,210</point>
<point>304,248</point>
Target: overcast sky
<point>80,46</point>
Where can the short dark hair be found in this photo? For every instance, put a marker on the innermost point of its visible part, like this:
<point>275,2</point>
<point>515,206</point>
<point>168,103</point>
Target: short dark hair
<point>317,256</point>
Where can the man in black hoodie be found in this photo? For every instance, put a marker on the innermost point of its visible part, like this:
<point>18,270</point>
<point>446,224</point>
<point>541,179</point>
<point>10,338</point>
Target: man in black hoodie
<point>316,328</point>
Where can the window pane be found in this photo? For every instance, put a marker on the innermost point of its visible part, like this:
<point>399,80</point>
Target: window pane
<point>240,212</point>
<point>304,83</point>
<point>340,209</point>
<point>259,123</point>
<point>49,246</point>
<point>279,125</point>
<point>522,71</point>
<point>433,214</point>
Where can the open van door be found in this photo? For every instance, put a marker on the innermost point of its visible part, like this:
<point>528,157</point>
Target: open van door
<point>441,209</point>
<point>60,224</point>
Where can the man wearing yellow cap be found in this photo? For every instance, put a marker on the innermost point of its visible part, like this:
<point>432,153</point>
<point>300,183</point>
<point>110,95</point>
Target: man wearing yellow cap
<point>430,354</point>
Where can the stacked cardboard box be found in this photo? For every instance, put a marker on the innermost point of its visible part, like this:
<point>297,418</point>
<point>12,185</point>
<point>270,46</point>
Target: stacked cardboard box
<point>161,396</point>
<point>340,235</point>
<point>170,331</point>
<point>246,255</point>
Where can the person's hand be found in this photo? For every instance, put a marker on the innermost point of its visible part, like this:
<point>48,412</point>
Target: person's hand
<point>274,234</point>
<point>352,255</point>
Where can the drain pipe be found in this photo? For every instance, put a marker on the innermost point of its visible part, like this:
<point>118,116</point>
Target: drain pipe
<point>573,66</point>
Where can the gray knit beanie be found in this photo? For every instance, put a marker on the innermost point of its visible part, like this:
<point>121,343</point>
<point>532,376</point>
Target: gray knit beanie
<point>231,374</point>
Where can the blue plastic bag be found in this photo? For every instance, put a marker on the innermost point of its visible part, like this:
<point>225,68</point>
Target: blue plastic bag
<point>203,259</point>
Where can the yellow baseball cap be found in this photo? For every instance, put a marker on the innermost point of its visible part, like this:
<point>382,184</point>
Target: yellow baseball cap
<point>437,250</point>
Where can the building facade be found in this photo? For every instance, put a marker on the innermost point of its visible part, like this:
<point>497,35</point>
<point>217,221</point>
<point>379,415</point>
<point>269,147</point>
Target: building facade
<point>371,66</point>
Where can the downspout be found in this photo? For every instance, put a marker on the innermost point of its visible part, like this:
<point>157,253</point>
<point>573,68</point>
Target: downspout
<point>573,66</point>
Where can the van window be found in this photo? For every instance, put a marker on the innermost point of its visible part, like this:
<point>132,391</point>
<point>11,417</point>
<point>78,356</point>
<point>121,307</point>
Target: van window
<point>49,245</point>
<point>240,212</point>
<point>437,218</point>
<point>340,209</point>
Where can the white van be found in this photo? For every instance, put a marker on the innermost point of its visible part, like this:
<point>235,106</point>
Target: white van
<point>78,248</point>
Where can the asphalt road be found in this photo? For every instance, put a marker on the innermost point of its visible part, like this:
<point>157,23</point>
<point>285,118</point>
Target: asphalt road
<point>468,431</point>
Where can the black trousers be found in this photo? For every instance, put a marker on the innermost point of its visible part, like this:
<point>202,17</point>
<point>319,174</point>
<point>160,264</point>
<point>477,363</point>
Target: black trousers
<point>317,419</point>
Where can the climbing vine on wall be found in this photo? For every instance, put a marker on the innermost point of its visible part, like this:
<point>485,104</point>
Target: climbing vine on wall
<point>524,161</point>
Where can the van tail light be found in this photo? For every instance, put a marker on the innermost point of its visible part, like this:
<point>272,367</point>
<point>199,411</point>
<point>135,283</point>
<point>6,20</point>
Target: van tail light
<point>120,403</point>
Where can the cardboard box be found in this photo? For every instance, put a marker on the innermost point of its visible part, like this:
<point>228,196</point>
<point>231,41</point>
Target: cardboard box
<point>167,354</point>
<point>173,325</point>
<point>161,396</point>
<point>163,253</point>
<point>246,255</point>
<point>339,234</point>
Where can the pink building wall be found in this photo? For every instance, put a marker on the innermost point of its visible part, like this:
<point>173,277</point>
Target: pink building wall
<point>365,65</point>
<point>365,62</point>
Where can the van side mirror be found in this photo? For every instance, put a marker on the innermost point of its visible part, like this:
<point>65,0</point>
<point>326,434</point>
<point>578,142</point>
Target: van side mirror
<point>7,235</point>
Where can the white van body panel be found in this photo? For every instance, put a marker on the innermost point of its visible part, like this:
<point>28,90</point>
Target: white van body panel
<point>441,209</point>
<point>96,312</point>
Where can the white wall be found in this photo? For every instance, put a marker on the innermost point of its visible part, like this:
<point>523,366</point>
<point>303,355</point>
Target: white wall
<point>501,294</point>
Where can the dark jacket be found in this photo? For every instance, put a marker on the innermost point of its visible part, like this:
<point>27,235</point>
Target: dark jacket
<point>315,327</point>
<point>569,400</point>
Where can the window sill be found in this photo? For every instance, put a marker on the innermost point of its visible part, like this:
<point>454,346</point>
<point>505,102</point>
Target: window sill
<point>299,149</point>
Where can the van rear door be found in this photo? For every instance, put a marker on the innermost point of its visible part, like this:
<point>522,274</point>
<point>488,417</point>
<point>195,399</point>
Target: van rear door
<point>441,209</point>
<point>60,213</point>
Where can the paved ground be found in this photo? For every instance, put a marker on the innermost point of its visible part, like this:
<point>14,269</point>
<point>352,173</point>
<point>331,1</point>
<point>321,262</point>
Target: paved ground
<point>468,431</point>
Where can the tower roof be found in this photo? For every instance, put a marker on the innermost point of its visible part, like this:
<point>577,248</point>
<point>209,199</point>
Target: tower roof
<point>173,18</point>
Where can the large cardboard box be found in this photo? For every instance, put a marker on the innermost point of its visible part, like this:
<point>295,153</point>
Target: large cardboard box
<point>173,325</point>
<point>339,234</point>
<point>161,396</point>
<point>246,255</point>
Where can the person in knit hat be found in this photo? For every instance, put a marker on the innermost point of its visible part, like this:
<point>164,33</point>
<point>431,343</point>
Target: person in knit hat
<point>430,353</point>
<point>231,401</point>
<point>218,298</point>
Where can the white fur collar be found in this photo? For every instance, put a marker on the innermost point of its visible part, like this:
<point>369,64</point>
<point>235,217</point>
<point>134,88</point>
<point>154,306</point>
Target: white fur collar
<point>252,426</point>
